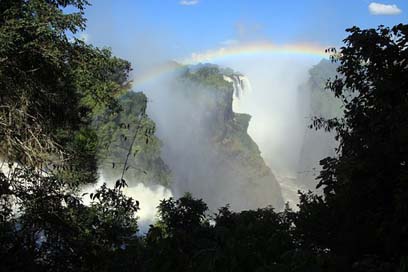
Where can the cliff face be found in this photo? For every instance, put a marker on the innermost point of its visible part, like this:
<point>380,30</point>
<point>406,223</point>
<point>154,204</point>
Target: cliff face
<point>206,144</point>
<point>320,103</point>
<point>131,130</point>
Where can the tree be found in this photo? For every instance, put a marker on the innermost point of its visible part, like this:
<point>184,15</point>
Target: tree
<point>187,238</point>
<point>51,87</point>
<point>362,216</point>
<point>181,239</point>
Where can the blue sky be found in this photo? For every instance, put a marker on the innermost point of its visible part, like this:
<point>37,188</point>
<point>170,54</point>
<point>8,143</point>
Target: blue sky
<point>185,26</point>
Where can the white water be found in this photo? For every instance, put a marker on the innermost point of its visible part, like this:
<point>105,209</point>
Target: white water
<point>242,87</point>
<point>149,198</point>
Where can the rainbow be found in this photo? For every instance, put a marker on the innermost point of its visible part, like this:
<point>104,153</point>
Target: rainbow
<point>225,53</point>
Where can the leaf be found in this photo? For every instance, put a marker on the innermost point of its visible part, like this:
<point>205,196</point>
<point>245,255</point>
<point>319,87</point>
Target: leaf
<point>120,183</point>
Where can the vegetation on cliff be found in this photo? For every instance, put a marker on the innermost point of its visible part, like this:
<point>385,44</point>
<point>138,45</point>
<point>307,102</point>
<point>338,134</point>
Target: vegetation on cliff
<point>130,131</point>
<point>217,139</point>
<point>229,128</point>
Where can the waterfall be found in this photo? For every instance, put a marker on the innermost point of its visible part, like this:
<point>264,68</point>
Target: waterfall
<point>238,91</point>
<point>246,84</point>
<point>241,87</point>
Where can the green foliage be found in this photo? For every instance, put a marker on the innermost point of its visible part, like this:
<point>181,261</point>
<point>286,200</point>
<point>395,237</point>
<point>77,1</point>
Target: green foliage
<point>210,76</point>
<point>51,84</point>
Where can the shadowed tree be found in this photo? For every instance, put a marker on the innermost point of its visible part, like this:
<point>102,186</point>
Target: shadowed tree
<point>362,217</point>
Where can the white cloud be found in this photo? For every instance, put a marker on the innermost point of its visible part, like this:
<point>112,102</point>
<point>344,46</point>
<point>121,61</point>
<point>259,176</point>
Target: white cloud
<point>383,9</point>
<point>188,2</point>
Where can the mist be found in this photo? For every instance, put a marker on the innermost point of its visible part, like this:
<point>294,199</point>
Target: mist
<point>188,117</point>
